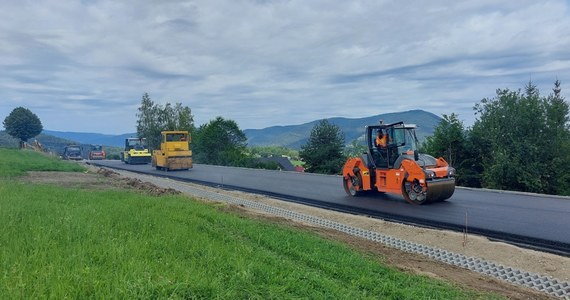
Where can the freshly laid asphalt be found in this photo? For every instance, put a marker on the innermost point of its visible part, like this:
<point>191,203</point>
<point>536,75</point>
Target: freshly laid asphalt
<point>534,216</point>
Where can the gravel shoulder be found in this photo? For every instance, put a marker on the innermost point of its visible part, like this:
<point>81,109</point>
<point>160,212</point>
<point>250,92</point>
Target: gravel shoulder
<point>467,244</point>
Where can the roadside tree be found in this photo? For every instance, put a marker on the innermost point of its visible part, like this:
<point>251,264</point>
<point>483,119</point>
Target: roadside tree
<point>557,128</point>
<point>448,139</point>
<point>152,118</point>
<point>22,124</point>
<point>220,142</point>
<point>522,140</point>
<point>323,152</point>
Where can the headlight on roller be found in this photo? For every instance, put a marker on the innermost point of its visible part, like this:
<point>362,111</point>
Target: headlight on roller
<point>451,172</point>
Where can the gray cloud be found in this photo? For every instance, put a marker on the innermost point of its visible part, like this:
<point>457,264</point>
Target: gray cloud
<point>265,63</point>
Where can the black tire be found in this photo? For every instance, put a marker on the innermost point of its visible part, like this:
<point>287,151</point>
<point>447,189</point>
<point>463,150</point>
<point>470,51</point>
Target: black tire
<point>351,183</point>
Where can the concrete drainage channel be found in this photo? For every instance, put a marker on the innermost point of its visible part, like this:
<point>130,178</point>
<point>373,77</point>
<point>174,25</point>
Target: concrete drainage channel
<point>544,284</point>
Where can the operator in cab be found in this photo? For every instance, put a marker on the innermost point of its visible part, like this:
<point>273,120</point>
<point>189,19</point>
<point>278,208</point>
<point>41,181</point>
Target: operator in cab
<point>381,139</point>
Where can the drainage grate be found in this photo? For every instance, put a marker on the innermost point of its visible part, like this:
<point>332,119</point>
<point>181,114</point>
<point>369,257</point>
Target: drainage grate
<point>541,283</point>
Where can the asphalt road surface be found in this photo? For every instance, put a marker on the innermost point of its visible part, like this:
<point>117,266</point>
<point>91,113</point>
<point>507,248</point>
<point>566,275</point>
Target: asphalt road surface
<point>529,215</point>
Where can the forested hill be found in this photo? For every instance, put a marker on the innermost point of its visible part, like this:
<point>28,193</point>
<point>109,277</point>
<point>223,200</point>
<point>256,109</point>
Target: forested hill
<point>293,136</point>
<point>49,142</point>
<point>92,138</point>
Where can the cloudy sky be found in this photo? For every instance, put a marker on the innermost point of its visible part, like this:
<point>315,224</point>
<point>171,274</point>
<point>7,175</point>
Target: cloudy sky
<point>84,65</point>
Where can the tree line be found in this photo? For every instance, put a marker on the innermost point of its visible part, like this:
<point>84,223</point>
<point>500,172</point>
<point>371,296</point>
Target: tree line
<point>520,140</point>
<point>222,142</point>
<point>218,142</point>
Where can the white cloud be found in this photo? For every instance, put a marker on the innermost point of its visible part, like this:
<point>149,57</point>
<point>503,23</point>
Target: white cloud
<point>265,63</point>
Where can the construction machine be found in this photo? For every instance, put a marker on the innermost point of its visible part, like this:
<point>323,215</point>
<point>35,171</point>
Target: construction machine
<point>174,153</point>
<point>392,164</point>
<point>136,151</point>
<point>72,152</point>
<point>96,152</point>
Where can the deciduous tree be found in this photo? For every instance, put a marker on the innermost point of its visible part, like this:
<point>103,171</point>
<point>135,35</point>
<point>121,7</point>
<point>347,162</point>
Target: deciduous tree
<point>522,140</point>
<point>220,142</point>
<point>154,118</point>
<point>22,124</point>
<point>450,141</point>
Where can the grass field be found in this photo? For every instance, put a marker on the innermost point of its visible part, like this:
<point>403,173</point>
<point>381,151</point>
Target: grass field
<point>16,162</point>
<point>72,243</point>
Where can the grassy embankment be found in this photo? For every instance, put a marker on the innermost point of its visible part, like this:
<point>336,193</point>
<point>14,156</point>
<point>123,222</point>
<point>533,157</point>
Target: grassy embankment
<point>60,242</point>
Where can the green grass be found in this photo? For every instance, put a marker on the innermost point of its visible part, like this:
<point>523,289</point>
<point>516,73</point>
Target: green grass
<point>69,243</point>
<point>15,162</point>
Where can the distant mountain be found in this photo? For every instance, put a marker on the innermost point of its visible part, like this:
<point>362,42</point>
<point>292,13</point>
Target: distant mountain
<point>92,138</point>
<point>293,136</point>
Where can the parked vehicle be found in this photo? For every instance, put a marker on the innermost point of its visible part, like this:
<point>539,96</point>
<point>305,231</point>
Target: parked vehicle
<point>97,152</point>
<point>72,152</point>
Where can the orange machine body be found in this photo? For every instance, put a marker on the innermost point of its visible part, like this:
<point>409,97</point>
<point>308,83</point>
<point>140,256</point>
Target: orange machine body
<point>398,168</point>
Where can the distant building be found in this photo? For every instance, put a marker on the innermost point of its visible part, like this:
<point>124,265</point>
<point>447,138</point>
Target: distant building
<point>283,162</point>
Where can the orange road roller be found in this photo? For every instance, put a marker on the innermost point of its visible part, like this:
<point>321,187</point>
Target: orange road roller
<point>393,165</point>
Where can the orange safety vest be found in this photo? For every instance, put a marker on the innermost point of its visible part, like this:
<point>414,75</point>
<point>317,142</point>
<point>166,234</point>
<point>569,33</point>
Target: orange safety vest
<point>381,142</point>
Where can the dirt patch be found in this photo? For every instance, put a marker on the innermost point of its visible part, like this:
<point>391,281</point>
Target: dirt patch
<point>469,245</point>
<point>137,184</point>
<point>98,179</point>
<point>86,180</point>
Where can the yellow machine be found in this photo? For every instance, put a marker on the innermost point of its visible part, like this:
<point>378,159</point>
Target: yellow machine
<point>174,153</point>
<point>136,151</point>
